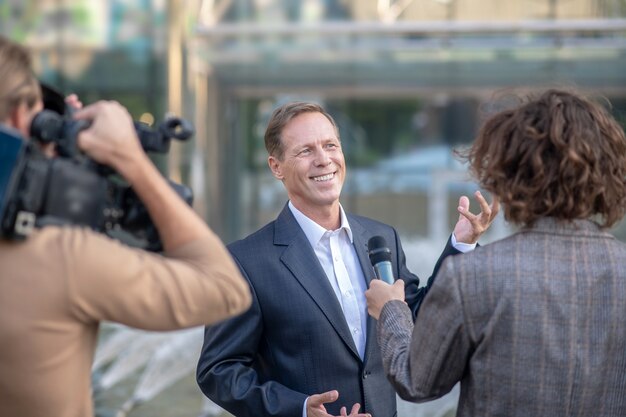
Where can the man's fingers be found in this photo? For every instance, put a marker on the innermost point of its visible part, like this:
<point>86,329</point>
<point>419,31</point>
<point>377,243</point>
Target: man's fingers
<point>472,218</point>
<point>326,397</point>
<point>471,226</point>
<point>495,207</point>
<point>484,206</point>
<point>354,412</point>
<point>464,203</point>
<point>487,212</point>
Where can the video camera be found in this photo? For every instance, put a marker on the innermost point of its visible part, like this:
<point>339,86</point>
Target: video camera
<point>36,191</point>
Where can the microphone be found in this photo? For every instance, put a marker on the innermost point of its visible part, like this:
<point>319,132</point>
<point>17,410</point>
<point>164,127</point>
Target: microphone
<point>380,257</point>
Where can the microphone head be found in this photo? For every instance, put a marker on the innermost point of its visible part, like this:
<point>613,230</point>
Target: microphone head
<point>377,250</point>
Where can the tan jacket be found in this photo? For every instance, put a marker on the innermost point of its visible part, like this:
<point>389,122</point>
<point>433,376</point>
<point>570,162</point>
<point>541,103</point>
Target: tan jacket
<point>56,287</point>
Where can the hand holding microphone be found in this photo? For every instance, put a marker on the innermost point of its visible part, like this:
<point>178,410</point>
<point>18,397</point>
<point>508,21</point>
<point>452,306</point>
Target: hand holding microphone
<point>386,288</point>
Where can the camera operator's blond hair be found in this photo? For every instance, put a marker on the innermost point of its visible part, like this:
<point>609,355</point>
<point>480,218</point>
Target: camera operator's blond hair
<point>18,83</point>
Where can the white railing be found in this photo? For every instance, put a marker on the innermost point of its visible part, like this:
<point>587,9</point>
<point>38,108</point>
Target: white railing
<point>334,28</point>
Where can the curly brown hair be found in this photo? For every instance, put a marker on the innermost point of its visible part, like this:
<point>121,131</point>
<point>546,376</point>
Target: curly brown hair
<point>557,155</point>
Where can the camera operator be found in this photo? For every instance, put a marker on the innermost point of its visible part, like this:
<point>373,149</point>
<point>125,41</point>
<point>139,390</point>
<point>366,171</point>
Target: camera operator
<point>59,283</point>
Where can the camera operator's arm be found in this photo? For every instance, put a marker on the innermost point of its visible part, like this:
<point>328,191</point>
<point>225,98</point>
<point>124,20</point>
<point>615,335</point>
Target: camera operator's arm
<point>111,140</point>
<point>199,282</point>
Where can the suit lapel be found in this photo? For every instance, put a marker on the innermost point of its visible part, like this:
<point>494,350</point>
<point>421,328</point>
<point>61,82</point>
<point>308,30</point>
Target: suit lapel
<point>361,236</point>
<point>301,260</point>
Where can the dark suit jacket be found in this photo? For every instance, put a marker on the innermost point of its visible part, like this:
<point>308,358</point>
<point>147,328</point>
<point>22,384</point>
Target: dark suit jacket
<point>294,341</point>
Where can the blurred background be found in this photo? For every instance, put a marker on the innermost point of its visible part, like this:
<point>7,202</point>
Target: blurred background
<point>406,80</point>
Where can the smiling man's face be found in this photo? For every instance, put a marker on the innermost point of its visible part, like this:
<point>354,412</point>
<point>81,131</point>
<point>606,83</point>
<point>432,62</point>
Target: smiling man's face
<point>312,167</point>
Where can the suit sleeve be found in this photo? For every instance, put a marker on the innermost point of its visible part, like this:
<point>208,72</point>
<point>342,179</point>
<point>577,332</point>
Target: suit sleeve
<point>226,372</point>
<point>412,291</point>
<point>419,299</point>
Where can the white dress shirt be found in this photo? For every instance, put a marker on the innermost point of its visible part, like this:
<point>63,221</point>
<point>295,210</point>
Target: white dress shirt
<point>338,258</point>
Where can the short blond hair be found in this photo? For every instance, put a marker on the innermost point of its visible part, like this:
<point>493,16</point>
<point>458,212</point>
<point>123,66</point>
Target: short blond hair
<point>283,115</point>
<point>18,83</point>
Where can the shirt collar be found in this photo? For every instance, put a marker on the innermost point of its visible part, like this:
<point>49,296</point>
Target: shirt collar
<point>313,231</point>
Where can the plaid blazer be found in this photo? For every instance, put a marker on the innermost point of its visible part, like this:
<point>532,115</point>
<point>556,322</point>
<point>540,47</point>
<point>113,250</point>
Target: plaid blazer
<point>533,325</point>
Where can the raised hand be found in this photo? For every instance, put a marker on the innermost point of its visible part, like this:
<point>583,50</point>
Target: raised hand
<point>471,226</point>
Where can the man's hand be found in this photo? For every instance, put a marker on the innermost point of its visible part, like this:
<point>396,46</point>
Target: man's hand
<point>379,293</point>
<point>315,406</point>
<point>354,412</point>
<point>471,226</point>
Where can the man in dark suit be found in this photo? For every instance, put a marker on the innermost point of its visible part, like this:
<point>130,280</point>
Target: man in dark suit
<point>307,341</point>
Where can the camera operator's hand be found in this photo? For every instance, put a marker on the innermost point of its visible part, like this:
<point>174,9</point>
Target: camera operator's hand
<point>74,102</point>
<point>111,139</point>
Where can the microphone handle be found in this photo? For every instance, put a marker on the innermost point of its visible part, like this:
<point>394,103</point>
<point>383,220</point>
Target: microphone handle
<point>384,272</point>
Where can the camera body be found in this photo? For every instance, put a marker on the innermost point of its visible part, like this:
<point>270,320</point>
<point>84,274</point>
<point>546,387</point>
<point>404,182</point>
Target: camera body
<point>72,189</point>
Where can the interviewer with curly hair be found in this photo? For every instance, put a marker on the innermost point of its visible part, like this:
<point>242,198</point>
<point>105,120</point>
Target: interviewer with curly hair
<point>532,325</point>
